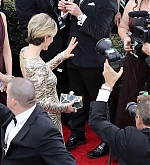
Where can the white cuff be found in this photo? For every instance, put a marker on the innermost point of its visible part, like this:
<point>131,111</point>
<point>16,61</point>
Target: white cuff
<point>103,95</point>
<point>81,18</point>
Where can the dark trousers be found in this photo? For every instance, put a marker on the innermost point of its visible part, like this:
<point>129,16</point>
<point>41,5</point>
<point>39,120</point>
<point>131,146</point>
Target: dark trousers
<point>85,82</point>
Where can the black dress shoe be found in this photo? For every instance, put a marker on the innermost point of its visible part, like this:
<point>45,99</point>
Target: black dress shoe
<point>99,151</point>
<point>75,141</point>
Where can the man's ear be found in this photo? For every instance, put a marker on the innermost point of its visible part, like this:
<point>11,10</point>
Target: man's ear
<point>140,122</point>
<point>14,101</point>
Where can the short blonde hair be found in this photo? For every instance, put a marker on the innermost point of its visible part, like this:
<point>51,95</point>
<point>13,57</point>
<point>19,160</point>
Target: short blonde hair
<point>39,26</point>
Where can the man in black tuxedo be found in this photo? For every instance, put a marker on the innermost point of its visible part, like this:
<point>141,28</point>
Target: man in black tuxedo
<point>28,134</point>
<point>90,21</point>
<point>25,10</point>
<point>131,144</point>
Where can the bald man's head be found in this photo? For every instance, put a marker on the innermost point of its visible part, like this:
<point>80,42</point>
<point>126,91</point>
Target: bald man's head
<point>22,90</point>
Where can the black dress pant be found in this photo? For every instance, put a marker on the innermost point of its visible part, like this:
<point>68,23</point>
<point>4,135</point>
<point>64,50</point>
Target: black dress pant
<point>84,82</point>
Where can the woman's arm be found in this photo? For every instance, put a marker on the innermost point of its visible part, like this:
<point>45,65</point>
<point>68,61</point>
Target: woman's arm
<point>2,77</point>
<point>38,76</point>
<point>118,15</point>
<point>6,50</point>
<point>123,28</point>
<point>63,55</point>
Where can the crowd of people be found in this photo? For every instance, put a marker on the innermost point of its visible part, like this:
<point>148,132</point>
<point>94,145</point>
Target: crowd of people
<point>59,56</point>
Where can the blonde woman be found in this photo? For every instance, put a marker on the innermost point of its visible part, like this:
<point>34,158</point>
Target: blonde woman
<point>41,30</point>
<point>136,76</point>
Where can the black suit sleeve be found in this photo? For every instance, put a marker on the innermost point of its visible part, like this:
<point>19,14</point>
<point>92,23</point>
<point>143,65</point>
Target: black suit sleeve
<point>4,113</point>
<point>114,137</point>
<point>25,10</point>
<point>51,147</point>
<point>98,25</point>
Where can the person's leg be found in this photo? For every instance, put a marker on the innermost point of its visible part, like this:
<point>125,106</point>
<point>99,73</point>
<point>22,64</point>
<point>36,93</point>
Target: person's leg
<point>94,80</point>
<point>79,118</point>
<point>85,82</point>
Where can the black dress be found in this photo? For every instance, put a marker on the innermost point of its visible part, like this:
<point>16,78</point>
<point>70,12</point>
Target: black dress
<point>135,79</point>
<point>2,66</point>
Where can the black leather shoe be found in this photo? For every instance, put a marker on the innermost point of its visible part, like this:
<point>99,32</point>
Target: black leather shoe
<point>75,141</point>
<point>99,151</point>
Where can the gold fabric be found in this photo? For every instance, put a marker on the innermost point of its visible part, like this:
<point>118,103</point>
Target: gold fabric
<point>44,80</point>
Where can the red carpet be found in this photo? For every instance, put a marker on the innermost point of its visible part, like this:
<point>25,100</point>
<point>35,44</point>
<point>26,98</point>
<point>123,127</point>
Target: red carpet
<point>80,153</point>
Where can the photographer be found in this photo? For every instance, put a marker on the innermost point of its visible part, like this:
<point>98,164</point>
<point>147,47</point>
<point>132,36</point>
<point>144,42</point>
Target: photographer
<point>136,74</point>
<point>131,145</point>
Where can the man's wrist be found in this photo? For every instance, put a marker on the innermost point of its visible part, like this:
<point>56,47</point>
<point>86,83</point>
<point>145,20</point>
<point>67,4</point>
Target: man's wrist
<point>80,17</point>
<point>106,87</point>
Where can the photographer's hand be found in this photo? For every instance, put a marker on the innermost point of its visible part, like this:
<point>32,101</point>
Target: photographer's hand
<point>110,75</point>
<point>146,48</point>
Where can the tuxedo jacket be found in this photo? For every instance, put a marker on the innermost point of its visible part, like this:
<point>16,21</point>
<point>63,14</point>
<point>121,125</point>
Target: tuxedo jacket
<point>27,8</point>
<point>37,143</point>
<point>131,145</point>
<point>97,25</point>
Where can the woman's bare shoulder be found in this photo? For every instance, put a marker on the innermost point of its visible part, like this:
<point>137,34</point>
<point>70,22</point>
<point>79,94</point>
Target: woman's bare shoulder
<point>3,16</point>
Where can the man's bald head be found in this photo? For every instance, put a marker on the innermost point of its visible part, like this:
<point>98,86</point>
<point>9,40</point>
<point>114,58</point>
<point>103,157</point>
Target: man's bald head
<point>22,90</point>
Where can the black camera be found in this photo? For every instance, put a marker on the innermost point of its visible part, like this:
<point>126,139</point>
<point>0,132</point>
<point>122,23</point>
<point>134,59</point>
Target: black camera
<point>131,109</point>
<point>131,106</point>
<point>141,30</point>
<point>115,59</point>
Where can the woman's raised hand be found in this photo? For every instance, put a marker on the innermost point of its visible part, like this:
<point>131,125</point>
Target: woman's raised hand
<point>73,43</point>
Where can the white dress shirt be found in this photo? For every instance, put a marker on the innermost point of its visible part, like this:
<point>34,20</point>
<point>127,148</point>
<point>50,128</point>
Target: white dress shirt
<point>12,129</point>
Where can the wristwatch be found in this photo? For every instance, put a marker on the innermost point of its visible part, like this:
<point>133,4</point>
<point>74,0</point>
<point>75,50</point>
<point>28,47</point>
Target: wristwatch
<point>105,87</point>
<point>80,17</point>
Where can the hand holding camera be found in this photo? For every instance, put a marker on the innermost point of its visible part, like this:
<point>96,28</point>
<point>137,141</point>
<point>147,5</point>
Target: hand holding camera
<point>110,75</point>
<point>146,48</point>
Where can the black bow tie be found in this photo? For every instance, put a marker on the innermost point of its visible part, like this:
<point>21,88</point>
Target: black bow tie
<point>15,120</point>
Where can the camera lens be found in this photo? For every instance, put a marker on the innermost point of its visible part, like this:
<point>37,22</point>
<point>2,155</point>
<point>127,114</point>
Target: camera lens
<point>131,109</point>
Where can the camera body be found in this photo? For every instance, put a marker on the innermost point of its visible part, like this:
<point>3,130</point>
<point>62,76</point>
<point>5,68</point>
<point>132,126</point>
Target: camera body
<point>115,59</point>
<point>142,33</point>
<point>142,29</point>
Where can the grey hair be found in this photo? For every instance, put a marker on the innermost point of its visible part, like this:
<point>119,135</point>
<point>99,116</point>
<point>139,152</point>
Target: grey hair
<point>143,109</point>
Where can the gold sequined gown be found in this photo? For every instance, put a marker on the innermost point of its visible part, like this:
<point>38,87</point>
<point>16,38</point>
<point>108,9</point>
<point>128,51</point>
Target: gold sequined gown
<point>45,81</point>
